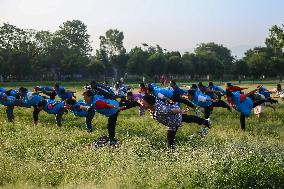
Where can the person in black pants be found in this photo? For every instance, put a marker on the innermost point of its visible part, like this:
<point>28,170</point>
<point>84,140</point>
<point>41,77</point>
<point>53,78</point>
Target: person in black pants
<point>243,104</point>
<point>206,102</point>
<point>171,116</point>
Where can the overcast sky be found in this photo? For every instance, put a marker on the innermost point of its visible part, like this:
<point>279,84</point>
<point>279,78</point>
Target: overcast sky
<point>173,24</point>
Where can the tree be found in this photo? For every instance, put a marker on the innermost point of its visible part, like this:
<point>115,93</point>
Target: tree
<point>187,61</point>
<point>112,45</point>
<point>276,39</point>
<point>219,55</point>
<point>174,65</point>
<point>70,48</point>
<point>240,68</point>
<point>137,60</point>
<point>155,64</point>
<point>259,62</point>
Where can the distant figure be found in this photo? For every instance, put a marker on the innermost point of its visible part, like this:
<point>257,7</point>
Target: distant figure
<point>162,79</point>
<point>113,82</point>
<point>121,80</point>
<point>156,78</point>
<point>125,76</point>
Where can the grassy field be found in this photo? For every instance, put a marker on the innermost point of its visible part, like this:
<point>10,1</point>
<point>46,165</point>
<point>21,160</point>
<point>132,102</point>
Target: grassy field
<point>47,156</point>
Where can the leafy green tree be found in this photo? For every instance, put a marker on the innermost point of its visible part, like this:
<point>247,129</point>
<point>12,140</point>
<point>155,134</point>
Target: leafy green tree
<point>156,64</point>
<point>240,68</point>
<point>112,45</point>
<point>188,60</point>
<point>216,54</point>
<point>137,60</point>
<point>276,39</point>
<point>259,62</point>
<point>70,48</point>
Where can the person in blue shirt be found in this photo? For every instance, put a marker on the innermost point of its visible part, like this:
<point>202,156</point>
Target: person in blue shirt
<point>51,107</point>
<point>266,93</point>
<point>12,92</point>
<point>10,107</point>
<point>2,90</point>
<point>206,102</point>
<point>107,107</point>
<point>205,90</point>
<point>217,89</point>
<point>168,94</point>
<point>29,99</point>
<point>101,89</point>
<point>81,109</point>
<point>243,104</point>
<point>47,90</point>
<point>178,94</point>
<point>62,92</point>
<point>9,102</point>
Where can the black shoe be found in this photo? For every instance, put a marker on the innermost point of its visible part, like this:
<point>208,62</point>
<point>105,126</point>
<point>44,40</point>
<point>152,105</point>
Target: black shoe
<point>208,123</point>
<point>100,142</point>
<point>112,143</point>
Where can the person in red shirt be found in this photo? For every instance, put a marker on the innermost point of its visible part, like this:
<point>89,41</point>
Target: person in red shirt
<point>233,88</point>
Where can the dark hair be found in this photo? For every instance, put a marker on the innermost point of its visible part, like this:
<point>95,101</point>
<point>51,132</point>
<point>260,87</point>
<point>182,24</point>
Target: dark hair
<point>229,84</point>
<point>142,85</point>
<point>193,86</point>
<point>191,92</point>
<point>88,93</point>
<point>41,103</point>
<point>23,89</point>
<point>229,93</point>
<point>93,83</point>
<point>70,101</point>
<point>150,99</point>
<point>200,84</point>
<point>210,83</point>
<point>173,81</point>
<point>129,93</point>
<point>279,85</point>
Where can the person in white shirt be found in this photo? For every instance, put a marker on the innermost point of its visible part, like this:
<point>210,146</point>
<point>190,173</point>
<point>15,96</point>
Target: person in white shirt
<point>278,91</point>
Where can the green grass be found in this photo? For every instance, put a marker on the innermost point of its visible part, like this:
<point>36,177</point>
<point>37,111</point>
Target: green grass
<point>47,156</point>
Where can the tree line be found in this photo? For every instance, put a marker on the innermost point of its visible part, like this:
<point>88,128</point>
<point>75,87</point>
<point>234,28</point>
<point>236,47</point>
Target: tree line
<point>27,54</point>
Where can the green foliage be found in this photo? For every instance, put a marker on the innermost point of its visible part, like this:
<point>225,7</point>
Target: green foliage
<point>27,54</point>
<point>50,157</point>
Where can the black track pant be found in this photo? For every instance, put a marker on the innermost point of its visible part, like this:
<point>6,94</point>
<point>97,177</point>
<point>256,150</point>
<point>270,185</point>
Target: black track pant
<point>176,98</point>
<point>243,117</point>
<point>171,133</point>
<point>88,121</point>
<point>209,109</point>
<point>111,125</point>
<point>58,116</point>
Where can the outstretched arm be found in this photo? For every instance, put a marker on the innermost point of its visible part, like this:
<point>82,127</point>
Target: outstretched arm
<point>178,111</point>
<point>252,92</point>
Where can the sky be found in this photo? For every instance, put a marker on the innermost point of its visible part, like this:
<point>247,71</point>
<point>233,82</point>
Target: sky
<point>173,24</point>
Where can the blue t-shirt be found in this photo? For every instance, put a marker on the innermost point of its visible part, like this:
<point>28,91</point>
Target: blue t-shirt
<point>77,111</point>
<point>105,111</point>
<point>54,109</point>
